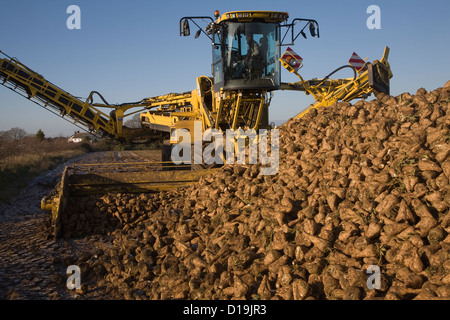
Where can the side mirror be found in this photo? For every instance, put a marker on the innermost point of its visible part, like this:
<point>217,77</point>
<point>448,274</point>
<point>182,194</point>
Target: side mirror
<point>312,29</point>
<point>185,28</point>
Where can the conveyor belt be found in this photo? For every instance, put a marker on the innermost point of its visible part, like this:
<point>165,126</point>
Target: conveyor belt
<point>26,82</point>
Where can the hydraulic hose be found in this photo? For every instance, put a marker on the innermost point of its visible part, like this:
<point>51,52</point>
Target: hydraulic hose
<point>90,98</point>
<point>338,69</point>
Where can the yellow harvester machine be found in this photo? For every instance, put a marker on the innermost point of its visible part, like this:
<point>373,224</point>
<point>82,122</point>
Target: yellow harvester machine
<point>246,69</point>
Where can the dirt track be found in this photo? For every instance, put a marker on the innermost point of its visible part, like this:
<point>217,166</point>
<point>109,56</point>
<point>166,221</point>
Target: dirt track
<point>31,263</point>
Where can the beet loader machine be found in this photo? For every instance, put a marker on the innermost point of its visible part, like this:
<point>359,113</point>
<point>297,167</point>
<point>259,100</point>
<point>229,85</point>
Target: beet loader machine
<point>246,69</point>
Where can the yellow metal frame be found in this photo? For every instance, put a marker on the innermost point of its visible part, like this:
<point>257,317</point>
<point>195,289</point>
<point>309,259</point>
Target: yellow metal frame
<point>246,16</point>
<point>226,110</point>
<point>86,179</point>
<point>326,92</point>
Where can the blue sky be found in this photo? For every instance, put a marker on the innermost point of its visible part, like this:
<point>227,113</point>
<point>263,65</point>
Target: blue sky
<point>129,50</point>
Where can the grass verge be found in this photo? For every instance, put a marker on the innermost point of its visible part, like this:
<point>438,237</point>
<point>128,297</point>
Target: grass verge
<point>17,170</point>
<point>20,170</point>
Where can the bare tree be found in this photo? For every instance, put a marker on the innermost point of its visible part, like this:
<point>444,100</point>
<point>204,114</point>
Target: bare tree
<point>134,122</point>
<point>13,134</point>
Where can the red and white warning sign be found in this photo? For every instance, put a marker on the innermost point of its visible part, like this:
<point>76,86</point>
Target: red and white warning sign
<point>356,62</point>
<point>292,60</point>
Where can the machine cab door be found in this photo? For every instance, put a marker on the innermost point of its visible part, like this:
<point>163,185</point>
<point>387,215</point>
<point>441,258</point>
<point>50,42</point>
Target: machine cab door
<point>247,57</point>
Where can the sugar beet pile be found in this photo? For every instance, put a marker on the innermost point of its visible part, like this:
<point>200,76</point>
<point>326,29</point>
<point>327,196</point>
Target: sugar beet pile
<point>358,185</point>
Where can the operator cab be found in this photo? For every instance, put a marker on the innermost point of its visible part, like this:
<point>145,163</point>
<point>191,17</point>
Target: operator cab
<point>246,47</point>
<point>246,50</point>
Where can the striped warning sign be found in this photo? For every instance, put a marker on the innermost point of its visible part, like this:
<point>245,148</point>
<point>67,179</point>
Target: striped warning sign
<point>356,62</point>
<point>292,59</point>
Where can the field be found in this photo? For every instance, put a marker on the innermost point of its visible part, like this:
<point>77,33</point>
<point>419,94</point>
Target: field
<point>24,158</point>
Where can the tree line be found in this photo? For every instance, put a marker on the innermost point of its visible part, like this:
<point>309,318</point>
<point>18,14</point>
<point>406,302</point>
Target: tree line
<point>15,134</point>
